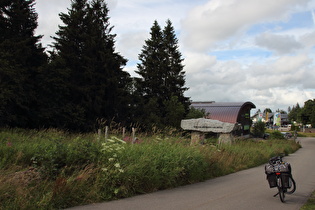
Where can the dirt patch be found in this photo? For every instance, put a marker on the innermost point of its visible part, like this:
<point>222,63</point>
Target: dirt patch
<point>23,178</point>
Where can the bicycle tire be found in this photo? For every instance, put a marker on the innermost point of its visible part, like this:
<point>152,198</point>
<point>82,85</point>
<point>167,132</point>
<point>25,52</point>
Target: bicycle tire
<point>280,189</point>
<point>281,195</point>
<point>292,185</point>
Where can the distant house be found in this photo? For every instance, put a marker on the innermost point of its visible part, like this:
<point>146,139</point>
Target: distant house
<point>269,119</point>
<point>231,112</point>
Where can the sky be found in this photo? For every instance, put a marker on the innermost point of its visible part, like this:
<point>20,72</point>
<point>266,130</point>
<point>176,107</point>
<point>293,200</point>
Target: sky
<point>233,50</point>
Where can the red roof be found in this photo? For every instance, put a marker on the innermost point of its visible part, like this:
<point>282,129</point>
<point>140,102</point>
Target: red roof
<point>223,111</point>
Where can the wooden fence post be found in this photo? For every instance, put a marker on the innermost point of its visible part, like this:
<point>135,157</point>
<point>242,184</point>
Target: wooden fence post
<point>133,135</point>
<point>99,133</point>
<point>106,133</point>
<point>123,134</point>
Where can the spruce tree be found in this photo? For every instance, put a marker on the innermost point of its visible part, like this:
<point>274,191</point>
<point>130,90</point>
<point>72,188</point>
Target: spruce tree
<point>174,78</point>
<point>90,73</point>
<point>151,67</point>
<point>149,87</point>
<point>21,56</point>
<point>162,79</point>
<point>294,113</point>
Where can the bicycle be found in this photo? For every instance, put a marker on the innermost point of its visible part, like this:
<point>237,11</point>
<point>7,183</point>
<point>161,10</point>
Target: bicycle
<point>279,175</point>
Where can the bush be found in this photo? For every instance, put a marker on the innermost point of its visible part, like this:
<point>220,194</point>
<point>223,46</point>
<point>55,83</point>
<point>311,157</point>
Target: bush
<point>276,135</point>
<point>195,113</point>
<point>259,129</point>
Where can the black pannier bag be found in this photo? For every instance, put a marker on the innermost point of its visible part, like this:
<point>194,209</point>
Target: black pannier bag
<point>275,166</point>
<point>285,180</point>
<point>272,180</point>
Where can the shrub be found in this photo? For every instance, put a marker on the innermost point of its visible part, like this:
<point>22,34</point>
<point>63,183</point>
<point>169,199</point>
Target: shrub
<point>276,135</point>
<point>259,129</point>
<point>195,113</point>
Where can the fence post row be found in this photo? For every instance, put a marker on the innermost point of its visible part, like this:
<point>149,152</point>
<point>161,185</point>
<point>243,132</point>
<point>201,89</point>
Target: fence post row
<point>99,134</point>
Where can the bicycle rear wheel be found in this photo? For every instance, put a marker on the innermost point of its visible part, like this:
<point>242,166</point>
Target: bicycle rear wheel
<point>292,186</point>
<point>281,195</point>
<point>280,189</point>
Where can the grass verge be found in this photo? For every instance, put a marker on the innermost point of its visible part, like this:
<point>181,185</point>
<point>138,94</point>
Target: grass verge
<point>310,204</point>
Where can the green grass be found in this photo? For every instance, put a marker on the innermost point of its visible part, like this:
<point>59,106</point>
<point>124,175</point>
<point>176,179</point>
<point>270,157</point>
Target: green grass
<point>52,169</point>
<point>301,134</point>
<point>310,204</point>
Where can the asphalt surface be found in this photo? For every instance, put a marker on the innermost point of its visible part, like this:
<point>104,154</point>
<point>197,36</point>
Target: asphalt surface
<point>247,189</point>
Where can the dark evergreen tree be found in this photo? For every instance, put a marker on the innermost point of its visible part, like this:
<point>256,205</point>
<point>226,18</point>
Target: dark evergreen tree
<point>294,113</point>
<point>87,70</point>
<point>161,85</point>
<point>149,88</point>
<point>174,78</point>
<point>21,56</point>
<point>307,114</point>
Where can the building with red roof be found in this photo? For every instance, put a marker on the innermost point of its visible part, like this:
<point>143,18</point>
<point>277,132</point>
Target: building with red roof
<point>231,112</point>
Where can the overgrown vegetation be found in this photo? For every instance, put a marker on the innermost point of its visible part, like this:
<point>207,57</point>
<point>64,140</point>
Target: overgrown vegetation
<point>51,169</point>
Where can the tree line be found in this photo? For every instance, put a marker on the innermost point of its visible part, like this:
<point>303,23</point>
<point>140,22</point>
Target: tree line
<point>304,115</point>
<point>80,82</point>
<point>301,115</point>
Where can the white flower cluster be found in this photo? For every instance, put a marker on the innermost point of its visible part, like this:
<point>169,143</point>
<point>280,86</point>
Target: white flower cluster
<point>112,147</point>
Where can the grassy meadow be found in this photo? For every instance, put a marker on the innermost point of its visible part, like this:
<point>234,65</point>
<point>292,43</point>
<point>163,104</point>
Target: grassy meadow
<point>53,169</point>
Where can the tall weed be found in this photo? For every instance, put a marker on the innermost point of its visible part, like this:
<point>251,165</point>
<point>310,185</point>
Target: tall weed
<point>148,167</point>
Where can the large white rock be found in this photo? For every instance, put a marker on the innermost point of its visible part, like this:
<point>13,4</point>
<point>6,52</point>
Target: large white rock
<point>207,125</point>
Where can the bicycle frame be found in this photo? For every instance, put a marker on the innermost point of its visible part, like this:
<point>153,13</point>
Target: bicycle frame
<point>281,189</point>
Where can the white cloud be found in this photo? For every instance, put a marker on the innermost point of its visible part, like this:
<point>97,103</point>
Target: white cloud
<point>282,44</point>
<point>278,83</point>
<point>131,70</point>
<point>308,39</point>
<point>196,62</point>
<point>313,16</point>
<point>277,98</point>
<point>219,20</point>
<point>130,44</point>
<point>112,4</point>
<point>289,64</point>
<point>48,18</point>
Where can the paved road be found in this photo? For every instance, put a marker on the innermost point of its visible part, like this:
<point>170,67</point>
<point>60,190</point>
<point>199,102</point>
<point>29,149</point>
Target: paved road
<point>243,190</point>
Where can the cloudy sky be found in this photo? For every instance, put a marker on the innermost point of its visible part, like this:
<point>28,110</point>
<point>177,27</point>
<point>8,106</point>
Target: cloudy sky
<point>234,50</point>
